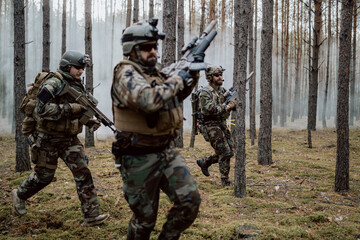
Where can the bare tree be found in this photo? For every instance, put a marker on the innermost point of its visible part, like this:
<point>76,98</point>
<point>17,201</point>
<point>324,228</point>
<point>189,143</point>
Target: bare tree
<point>128,13</point>
<point>212,10</point>
<point>202,18</point>
<point>180,44</point>
<point>285,61</point>
<point>264,141</point>
<point>327,65</point>
<point>46,36</point>
<point>252,90</point>
<point>242,11</point>
<point>169,28</point>
<point>22,150</point>
<point>353,70</point>
<point>89,135</point>
<point>313,82</point>
<point>136,11</point>
<point>151,8</point>
<point>342,151</point>
<point>63,33</point>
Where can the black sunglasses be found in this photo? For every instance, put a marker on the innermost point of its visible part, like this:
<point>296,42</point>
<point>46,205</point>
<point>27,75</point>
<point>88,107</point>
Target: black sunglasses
<point>148,47</point>
<point>78,67</point>
<point>217,74</point>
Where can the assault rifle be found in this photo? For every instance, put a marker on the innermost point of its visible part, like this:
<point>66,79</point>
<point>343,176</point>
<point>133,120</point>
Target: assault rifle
<point>90,103</point>
<point>193,54</point>
<point>230,95</point>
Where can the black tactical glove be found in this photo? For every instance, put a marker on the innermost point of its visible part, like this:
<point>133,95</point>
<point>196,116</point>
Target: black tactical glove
<point>186,77</point>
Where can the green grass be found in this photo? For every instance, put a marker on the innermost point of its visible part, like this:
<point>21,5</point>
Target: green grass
<point>293,198</point>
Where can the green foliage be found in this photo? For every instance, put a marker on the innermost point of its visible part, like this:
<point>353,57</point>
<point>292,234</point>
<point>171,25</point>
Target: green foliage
<point>291,199</point>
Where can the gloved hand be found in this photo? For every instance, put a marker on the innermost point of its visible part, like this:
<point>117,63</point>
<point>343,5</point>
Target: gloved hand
<point>93,124</point>
<point>77,108</point>
<point>231,105</point>
<point>186,77</point>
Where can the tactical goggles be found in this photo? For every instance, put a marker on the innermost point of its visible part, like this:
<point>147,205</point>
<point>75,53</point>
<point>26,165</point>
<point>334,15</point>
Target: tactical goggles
<point>79,67</point>
<point>217,74</point>
<point>148,47</point>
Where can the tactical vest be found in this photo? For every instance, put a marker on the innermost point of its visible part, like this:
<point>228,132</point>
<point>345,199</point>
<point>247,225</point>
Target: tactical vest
<point>65,125</point>
<point>163,122</point>
<point>219,99</point>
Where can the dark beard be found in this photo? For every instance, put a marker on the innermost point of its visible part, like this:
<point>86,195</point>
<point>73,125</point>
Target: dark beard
<point>150,63</point>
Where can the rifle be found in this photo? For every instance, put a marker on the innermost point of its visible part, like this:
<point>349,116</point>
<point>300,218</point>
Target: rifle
<point>193,54</point>
<point>90,103</point>
<point>230,95</point>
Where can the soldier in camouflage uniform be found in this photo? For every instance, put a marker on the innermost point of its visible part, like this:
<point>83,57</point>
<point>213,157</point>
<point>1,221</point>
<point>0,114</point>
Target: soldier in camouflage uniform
<point>55,135</point>
<point>213,126</point>
<point>147,115</point>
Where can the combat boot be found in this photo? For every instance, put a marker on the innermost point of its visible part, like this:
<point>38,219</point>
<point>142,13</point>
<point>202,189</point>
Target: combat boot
<point>225,182</point>
<point>19,204</point>
<point>93,221</point>
<point>204,167</point>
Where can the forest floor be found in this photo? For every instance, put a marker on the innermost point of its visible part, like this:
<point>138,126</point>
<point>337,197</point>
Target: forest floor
<point>293,198</point>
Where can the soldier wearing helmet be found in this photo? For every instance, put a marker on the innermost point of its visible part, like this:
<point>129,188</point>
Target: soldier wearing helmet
<point>214,113</point>
<point>147,109</point>
<point>56,118</point>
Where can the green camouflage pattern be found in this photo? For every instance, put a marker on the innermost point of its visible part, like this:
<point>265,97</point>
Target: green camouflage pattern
<point>215,130</point>
<point>143,177</point>
<point>71,151</point>
<point>135,91</point>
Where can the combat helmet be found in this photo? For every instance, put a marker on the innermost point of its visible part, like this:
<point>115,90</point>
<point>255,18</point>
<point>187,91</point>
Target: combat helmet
<point>211,70</point>
<point>73,58</point>
<point>139,33</point>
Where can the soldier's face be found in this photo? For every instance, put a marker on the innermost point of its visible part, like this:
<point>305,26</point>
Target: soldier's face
<point>76,72</point>
<point>217,79</point>
<point>148,52</point>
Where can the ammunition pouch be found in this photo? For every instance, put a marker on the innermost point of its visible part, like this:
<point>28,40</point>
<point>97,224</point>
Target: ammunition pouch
<point>38,157</point>
<point>28,126</point>
<point>60,127</point>
<point>27,106</point>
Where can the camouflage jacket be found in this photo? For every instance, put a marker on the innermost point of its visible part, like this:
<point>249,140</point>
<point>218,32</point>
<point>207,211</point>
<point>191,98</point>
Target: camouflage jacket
<point>212,105</point>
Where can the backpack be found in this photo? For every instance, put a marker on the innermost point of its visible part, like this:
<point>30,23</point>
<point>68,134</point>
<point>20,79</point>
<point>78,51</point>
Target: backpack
<point>197,116</point>
<point>29,101</point>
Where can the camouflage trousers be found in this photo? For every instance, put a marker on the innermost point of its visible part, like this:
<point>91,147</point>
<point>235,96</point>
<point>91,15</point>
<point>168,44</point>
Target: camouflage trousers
<point>221,141</point>
<point>143,177</point>
<point>71,151</point>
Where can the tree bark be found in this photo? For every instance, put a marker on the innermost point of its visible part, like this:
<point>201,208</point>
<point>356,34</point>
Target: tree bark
<point>264,141</point>
<point>313,83</point>
<point>353,70</point>
<point>63,33</point>
<point>342,151</point>
<point>252,92</point>
<point>136,11</point>
<point>128,13</point>
<point>151,9</point>
<point>46,36</point>
<point>22,149</point>
<point>169,28</point>
<point>89,135</point>
<point>242,11</point>
<point>180,43</point>
<point>327,66</point>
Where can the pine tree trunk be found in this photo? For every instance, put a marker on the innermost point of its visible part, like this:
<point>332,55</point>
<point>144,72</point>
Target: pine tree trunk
<point>63,33</point>
<point>151,9</point>
<point>136,11</point>
<point>342,151</point>
<point>264,141</point>
<point>180,44</point>
<point>327,66</point>
<point>128,13</point>
<point>22,149</point>
<point>353,71</point>
<point>251,80</point>
<point>89,135</point>
<point>169,28</point>
<point>242,11</point>
<point>313,83</point>
<point>46,36</point>
<point>202,18</point>
<point>296,105</point>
